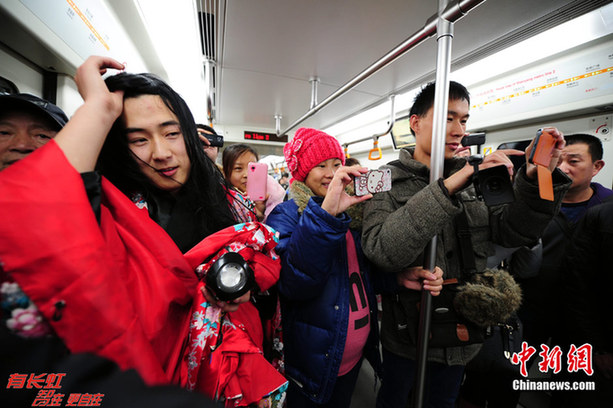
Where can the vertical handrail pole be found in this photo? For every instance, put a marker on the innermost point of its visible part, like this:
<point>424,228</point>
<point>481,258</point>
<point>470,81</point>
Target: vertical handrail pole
<point>314,83</point>
<point>278,123</point>
<point>444,29</point>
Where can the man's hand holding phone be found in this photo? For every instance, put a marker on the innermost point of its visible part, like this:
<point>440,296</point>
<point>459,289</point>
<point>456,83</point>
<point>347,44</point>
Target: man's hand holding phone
<point>542,157</point>
<point>551,146</point>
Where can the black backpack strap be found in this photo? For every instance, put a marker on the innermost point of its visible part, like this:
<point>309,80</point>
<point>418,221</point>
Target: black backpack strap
<point>465,243</point>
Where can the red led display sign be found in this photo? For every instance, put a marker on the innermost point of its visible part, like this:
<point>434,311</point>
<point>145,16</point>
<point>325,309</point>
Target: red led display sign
<point>264,137</point>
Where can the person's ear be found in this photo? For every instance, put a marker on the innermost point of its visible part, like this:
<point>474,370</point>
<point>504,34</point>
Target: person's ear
<point>414,123</point>
<point>598,165</point>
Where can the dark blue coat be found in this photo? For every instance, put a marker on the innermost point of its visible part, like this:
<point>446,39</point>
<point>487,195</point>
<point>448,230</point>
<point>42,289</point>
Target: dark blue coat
<point>315,290</point>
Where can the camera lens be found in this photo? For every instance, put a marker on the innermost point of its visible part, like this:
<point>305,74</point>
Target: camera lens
<point>495,185</point>
<point>230,277</point>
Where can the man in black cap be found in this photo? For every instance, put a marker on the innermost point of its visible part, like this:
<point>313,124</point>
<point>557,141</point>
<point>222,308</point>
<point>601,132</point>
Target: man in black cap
<point>27,122</point>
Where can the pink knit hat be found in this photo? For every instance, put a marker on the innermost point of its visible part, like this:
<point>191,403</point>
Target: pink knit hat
<point>308,148</point>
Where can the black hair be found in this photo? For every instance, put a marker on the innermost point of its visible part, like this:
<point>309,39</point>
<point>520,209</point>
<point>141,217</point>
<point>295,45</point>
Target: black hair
<point>351,161</point>
<point>232,153</point>
<point>205,184</point>
<point>207,128</point>
<point>594,145</point>
<point>425,98</point>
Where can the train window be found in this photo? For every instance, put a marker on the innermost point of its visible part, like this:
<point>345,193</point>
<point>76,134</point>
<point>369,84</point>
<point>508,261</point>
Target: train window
<point>517,161</point>
<point>401,133</point>
<point>518,145</point>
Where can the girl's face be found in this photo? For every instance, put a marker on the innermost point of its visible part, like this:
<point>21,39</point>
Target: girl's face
<point>238,177</point>
<point>321,175</point>
<point>154,136</point>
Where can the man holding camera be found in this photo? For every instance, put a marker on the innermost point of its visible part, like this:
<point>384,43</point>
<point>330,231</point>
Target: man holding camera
<point>211,141</point>
<point>546,295</point>
<point>398,225</point>
<point>581,160</point>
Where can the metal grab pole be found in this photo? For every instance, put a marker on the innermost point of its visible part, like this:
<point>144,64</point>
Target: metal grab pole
<point>444,30</point>
<point>389,127</point>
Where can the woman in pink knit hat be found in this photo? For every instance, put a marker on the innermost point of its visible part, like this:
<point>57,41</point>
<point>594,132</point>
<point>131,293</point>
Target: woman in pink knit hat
<point>327,300</point>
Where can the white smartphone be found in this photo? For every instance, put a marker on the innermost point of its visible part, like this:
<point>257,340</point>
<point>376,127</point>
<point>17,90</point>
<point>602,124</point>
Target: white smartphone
<point>257,175</point>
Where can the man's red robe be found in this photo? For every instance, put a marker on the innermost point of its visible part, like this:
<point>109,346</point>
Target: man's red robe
<point>121,289</point>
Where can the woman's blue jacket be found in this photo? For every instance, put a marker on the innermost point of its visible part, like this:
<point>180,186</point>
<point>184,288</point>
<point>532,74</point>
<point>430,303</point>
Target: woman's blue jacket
<point>315,295</point>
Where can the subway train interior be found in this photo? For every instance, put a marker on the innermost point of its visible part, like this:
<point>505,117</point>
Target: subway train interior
<point>257,70</point>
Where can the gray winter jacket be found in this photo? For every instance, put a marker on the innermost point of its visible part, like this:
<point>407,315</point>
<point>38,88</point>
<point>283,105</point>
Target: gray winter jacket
<point>398,225</point>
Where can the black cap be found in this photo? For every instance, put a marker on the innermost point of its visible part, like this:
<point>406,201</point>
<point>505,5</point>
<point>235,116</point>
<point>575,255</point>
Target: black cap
<point>31,102</point>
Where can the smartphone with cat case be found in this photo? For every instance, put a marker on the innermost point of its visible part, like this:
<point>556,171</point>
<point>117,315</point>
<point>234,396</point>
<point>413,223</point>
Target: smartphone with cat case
<point>375,181</point>
<point>257,175</point>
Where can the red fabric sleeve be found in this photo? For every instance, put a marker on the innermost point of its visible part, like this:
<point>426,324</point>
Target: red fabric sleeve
<point>125,285</point>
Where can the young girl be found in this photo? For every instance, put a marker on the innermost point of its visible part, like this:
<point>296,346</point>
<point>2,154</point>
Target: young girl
<point>235,160</point>
<point>327,301</point>
<point>234,163</point>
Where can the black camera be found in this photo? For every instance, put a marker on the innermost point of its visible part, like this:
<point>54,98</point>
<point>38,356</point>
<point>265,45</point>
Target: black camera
<point>473,139</point>
<point>492,185</point>
<point>214,140</point>
<point>495,185</point>
<point>230,277</point>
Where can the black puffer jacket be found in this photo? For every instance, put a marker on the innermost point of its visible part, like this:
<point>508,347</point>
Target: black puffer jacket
<point>588,277</point>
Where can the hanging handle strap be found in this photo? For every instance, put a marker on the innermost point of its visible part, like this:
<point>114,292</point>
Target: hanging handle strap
<point>375,149</point>
<point>346,149</point>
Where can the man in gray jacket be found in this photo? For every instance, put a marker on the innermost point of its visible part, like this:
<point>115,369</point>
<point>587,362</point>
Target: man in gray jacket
<point>398,225</point>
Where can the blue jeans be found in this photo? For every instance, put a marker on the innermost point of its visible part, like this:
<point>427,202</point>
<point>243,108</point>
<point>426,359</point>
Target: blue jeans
<point>442,382</point>
<point>341,394</point>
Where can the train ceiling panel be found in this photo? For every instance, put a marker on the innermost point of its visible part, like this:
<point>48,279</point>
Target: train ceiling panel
<point>275,47</point>
<point>266,51</point>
